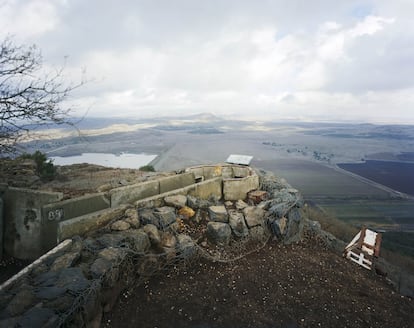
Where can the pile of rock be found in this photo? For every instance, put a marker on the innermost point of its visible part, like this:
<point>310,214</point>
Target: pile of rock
<point>76,286</point>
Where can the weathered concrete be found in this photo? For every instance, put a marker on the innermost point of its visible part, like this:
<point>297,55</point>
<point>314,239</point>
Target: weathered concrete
<point>23,221</point>
<point>65,210</point>
<point>88,222</point>
<point>235,189</point>
<point>1,228</point>
<point>132,193</point>
<point>203,190</point>
<point>176,182</point>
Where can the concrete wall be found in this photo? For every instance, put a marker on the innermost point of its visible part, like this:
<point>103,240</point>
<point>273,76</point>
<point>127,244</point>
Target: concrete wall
<point>129,194</point>
<point>23,221</point>
<point>54,213</point>
<point>234,189</point>
<point>176,182</point>
<point>204,190</point>
<point>1,228</point>
<point>88,222</point>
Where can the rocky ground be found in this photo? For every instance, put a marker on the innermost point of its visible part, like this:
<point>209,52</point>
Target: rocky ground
<point>301,285</point>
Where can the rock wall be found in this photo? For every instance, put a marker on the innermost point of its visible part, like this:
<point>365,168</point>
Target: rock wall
<point>75,286</point>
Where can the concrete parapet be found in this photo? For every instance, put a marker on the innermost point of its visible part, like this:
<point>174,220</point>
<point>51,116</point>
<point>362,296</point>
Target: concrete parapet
<point>129,194</point>
<point>235,189</point>
<point>23,221</point>
<point>65,210</point>
<point>83,224</point>
<point>203,190</point>
<point>176,182</point>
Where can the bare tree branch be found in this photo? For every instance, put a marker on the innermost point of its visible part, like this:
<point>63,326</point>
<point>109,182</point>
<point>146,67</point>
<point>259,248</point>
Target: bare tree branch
<point>27,97</point>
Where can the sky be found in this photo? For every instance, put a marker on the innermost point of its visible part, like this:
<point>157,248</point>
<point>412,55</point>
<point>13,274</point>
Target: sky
<point>343,60</point>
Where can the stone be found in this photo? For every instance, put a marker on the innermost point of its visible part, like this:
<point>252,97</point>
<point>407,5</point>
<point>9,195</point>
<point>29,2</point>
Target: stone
<point>23,300</point>
<point>112,254</point>
<point>131,217</point>
<point>138,240</point>
<point>256,196</point>
<point>61,303</point>
<point>237,224</point>
<point>176,201</point>
<point>112,239</point>
<point>38,317</point>
<point>120,225</point>
<point>186,246</point>
<point>73,280</point>
<point>280,210</point>
<point>50,292</point>
<point>186,212</point>
<point>228,203</point>
<point>195,202</point>
<point>218,233</point>
<point>218,214</point>
<point>240,204</point>
<point>65,261</point>
<point>166,216</point>
<point>254,216</point>
<point>258,233</point>
<point>100,267</point>
<point>9,322</point>
<point>278,226</point>
<point>153,234</point>
<point>168,240</point>
<point>147,216</point>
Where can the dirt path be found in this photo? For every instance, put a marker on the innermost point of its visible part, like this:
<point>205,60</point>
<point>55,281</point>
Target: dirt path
<point>280,286</point>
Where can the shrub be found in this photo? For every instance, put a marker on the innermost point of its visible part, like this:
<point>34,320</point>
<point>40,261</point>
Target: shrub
<point>147,168</point>
<point>44,167</point>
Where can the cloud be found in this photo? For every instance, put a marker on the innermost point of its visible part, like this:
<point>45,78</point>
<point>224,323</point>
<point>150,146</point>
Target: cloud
<point>272,59</point>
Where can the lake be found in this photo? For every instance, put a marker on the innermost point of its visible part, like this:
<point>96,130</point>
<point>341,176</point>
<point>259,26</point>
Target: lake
<point>123,160</point>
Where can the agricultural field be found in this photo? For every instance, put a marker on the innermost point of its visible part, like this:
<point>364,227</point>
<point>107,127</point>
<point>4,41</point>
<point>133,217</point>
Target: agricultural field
<point>396,175</point>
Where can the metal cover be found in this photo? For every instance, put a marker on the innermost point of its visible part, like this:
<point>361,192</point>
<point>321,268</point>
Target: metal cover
<point>239,159</point>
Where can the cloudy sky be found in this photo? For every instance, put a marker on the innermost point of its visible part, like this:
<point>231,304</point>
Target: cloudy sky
<point>261,59</point>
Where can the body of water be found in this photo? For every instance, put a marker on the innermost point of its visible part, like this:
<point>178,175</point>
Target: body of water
<point>124,160</point>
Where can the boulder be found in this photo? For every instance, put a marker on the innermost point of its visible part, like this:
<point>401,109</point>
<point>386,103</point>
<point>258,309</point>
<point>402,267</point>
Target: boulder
<point>38,317</point>
<point>147,216</point>
<point>185,246</point>
<point>254,216</point>
<point>112,254</point>
<point>120,225</point>
<point>65,261</point>
<point>278,226</point>
<point>168,240</point>
<point>186,212</point>
<point>166,216</point>
<point>21,302</point>
<point>73,280</point>
<point>194,202</point>
<point>153,234</point>
<point>111,239</point>
<point>237,224</point>
<point>219,233</point>
<point>138,240</point>
<point>176,201</point>
<point>100,267</point>
<point>218,213</point>
<point>131,217</point>
<point>258,233</point>
<point>241,205</point>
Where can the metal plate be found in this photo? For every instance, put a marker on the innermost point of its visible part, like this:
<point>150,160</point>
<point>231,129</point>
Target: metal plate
<point>239,159</point>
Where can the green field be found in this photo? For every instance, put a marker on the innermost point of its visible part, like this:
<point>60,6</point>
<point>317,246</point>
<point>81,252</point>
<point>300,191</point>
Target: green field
<point>317,180</point>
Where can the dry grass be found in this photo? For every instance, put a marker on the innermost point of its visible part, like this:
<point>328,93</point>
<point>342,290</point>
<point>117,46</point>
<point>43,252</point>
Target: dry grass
<point>346,232</point>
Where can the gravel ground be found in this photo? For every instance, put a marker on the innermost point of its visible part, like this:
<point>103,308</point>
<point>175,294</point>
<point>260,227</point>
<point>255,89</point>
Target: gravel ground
<point>301,285</point>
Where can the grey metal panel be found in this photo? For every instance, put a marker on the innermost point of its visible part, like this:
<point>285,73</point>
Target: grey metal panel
<point>239,159</point>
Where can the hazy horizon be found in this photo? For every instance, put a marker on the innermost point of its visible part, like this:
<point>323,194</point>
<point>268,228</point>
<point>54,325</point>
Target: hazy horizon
<point>347,61</point>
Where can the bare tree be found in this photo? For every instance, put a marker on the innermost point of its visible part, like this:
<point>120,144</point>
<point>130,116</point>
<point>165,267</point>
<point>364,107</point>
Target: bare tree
<point>29,98</point>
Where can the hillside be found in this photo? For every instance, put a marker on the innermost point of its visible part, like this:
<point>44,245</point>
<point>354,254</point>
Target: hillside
<point>300,285</point>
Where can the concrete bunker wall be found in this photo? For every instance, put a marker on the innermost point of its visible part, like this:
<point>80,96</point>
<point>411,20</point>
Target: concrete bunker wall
<point>34,221</point>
